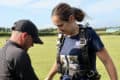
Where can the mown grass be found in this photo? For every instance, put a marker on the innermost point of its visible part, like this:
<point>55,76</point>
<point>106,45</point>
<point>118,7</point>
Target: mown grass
<point>43,56</point>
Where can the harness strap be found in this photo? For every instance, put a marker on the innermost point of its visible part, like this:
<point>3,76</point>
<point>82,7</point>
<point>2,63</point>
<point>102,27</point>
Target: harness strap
<point>92,75</point>
<point>60,43</point>
<point>84,40</point>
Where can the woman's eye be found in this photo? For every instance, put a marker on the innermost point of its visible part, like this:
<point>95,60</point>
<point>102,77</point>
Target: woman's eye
<point>60,25</point>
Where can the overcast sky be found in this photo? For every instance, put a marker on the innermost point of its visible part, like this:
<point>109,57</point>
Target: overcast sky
<point>100,13</point>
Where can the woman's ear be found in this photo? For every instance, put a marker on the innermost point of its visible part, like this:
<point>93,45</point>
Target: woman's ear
<point>71,18</point>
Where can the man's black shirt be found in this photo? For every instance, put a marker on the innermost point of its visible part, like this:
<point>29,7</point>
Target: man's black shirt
<point>15,63</point>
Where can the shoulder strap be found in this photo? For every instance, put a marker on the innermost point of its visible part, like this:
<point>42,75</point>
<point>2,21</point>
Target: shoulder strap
<point>60,43</point>
<point>84,43</point>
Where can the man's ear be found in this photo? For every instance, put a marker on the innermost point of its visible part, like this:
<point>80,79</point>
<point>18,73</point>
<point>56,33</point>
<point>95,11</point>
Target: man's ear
<point>24,36</point>
<point>71,18</point>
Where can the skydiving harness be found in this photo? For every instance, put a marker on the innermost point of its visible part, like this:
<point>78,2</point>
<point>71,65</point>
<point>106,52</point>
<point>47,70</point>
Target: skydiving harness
<point>92,75</point>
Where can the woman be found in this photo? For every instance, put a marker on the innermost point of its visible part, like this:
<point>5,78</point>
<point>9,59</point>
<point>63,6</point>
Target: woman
<point>78,41</point>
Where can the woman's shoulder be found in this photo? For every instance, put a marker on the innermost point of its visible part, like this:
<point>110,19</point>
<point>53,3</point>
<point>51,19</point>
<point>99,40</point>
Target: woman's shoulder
<point>86,28</point>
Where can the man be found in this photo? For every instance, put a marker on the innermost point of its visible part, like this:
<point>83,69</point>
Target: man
<point>15,62</point>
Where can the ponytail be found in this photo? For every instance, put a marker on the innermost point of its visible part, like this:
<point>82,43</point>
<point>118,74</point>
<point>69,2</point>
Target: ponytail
<point>78,14</point>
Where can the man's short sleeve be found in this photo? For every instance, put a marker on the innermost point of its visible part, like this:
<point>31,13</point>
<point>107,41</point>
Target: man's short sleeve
<point>24,67</point>
<point>19,62</point>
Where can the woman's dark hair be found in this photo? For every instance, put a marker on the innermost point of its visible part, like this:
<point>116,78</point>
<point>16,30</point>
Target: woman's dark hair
<point>64,11</point>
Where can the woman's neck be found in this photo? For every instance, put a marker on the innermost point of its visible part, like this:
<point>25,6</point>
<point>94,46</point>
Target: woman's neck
<point>75,30</point>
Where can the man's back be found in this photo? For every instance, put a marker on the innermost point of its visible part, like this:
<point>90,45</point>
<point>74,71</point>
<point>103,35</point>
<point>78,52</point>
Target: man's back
<point>15,63</point>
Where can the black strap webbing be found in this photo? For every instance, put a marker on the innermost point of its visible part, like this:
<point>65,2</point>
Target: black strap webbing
<point>84,38</point>
<point>59,47</point>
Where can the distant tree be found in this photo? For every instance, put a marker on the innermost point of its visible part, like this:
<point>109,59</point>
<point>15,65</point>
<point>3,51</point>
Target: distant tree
<point>4,29</point>
<point>47,30</point>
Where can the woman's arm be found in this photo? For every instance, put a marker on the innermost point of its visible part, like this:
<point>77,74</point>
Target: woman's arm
<point>52,72</point>
<point>108,63</point>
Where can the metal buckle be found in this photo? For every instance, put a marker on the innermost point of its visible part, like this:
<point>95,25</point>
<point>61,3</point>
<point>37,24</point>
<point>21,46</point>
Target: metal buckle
<point>91,73</point>
<point>83,42</point>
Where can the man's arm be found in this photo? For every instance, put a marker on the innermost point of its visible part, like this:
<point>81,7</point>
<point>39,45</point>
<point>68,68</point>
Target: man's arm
<point>24,68</point>
<point>108,63</point>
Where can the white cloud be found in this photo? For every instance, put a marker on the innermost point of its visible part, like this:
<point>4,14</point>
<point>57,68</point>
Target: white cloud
<point>46,4</point>
<point>42,4</point>
<point>51,3</point>
<point>99,6</point>
<point>15,3</point>
<point>104,6</point>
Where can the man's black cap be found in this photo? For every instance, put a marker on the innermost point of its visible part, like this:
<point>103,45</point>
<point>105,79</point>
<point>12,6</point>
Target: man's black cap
<point>29,27</point>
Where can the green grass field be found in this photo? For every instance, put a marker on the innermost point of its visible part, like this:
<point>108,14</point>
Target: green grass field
<point>43,56</point>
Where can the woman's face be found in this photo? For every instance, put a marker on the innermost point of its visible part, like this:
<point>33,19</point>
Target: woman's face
<point>63,26</point>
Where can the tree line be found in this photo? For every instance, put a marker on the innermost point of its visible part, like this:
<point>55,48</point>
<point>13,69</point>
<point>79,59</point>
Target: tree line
<point>53,31</point>
<point>42,32</point>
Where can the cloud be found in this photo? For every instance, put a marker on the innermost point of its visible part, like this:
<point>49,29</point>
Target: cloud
<point>51,3</point>
<point>46,4</point>
<point>15,3</point>
<point>42,4</point>
<point>104,6</point>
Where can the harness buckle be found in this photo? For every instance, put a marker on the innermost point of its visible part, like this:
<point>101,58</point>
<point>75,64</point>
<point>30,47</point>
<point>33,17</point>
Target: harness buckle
<point>91,73</point>
<point>83,42</point>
